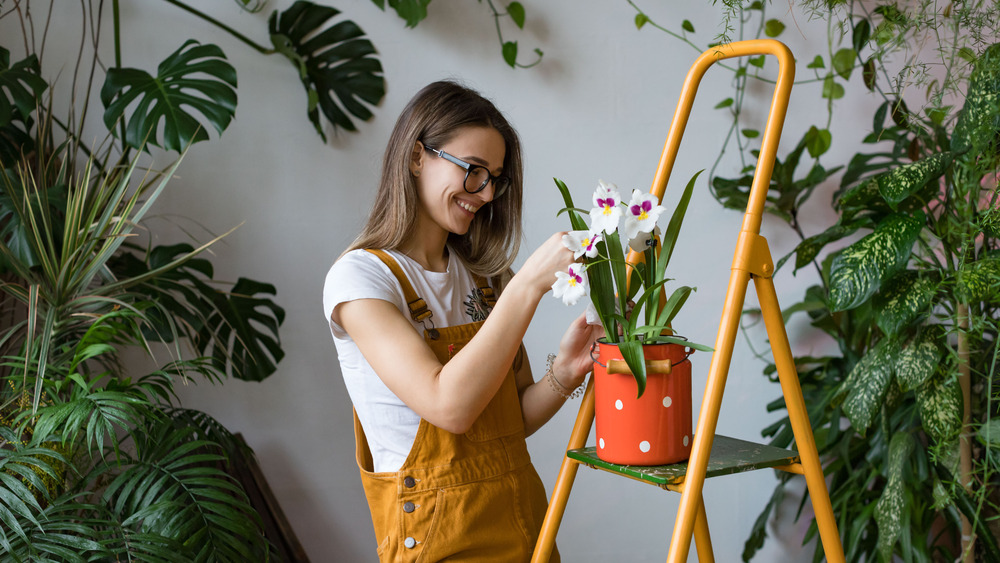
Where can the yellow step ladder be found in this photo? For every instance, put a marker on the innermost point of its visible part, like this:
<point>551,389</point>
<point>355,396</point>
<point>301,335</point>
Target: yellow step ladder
<point>713,455</point>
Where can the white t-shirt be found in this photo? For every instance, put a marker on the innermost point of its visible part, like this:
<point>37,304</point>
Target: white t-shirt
<point>389,424</point>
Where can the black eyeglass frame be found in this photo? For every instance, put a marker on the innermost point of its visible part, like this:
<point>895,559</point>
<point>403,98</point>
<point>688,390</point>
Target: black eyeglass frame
<point>498,188</point>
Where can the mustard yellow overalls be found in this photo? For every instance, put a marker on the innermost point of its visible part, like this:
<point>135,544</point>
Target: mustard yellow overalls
<point>457,497</point>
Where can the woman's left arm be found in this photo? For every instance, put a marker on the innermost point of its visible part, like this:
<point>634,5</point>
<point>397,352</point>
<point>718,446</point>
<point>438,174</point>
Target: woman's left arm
<point>540,399</point>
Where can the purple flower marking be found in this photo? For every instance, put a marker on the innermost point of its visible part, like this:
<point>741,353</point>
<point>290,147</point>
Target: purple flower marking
<point>638,211</point>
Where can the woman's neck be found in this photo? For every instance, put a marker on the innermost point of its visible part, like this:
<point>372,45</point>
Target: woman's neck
<point>430,250</point>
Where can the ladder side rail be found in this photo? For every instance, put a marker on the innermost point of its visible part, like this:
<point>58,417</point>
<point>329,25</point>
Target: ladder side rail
<point>691,496</point>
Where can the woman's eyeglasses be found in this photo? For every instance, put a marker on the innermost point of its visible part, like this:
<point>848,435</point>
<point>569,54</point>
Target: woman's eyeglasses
<point>476,176</point>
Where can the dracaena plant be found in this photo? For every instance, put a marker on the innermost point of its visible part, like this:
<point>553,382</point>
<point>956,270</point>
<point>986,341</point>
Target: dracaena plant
<point>625,294</point>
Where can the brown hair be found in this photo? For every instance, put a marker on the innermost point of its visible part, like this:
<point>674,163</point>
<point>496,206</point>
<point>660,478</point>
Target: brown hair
<point>433,117</point>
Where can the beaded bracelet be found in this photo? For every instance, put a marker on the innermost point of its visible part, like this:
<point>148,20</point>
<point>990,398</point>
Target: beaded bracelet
<point>556,385</point>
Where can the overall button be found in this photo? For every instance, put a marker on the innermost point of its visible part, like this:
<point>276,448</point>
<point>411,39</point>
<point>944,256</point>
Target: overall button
<point>409,543</point>
<point>408,507</point>
<point>409,482</point>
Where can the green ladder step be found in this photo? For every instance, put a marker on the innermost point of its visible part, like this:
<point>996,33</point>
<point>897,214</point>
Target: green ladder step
<point>729,455</point>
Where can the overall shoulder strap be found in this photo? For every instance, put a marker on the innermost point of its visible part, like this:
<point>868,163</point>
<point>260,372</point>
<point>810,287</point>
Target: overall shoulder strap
<point>418,307</point>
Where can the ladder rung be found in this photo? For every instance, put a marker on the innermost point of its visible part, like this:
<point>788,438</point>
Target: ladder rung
<point>729,455</point>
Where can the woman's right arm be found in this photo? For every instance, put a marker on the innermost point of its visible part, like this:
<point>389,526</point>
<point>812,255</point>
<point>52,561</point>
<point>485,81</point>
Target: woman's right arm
<point>452,396</point>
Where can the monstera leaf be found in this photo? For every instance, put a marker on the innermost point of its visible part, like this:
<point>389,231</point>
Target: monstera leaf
<point>336,65</point>
<point>192,69</point>
<point>21,89</point>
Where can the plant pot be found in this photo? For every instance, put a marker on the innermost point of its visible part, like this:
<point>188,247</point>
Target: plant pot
<point>654,429</point>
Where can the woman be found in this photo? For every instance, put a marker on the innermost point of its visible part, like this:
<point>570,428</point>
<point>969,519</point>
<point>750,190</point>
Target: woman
<point>431,352</point>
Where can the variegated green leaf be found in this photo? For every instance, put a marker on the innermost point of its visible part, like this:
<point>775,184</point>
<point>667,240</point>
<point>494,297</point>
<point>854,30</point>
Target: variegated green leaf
<point>905,297</point>
<point>942,498</point>
<point>939,401</point>
<point>979,120</point>
<point>980,280</point>
<point>859,270</point>
<point>809,249</point>
<point>917,362</point>
<point>892,505</point>
<point>866,386</point>
<point>903,181</point>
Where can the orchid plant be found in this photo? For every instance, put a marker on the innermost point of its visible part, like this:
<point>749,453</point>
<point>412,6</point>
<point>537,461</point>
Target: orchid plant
<point>613,281</point>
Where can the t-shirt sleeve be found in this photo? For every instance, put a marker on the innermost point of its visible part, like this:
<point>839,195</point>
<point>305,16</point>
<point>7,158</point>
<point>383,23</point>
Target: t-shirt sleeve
<point>358,275</point>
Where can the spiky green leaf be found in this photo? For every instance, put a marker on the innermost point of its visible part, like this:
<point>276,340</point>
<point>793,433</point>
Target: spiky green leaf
<point>336,64</point>
<point>866,386</point>
<point>906,296</point>
<point>194,77</point>
<point>859,270</point>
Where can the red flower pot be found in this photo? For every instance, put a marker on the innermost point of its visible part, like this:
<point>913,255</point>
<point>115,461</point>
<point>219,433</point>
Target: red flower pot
<point>654,429</point>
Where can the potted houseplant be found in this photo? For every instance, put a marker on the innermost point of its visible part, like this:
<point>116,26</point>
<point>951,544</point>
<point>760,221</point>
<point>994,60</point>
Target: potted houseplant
<point>97,459</point>
<point>642,376</point>
<point>904,409</point>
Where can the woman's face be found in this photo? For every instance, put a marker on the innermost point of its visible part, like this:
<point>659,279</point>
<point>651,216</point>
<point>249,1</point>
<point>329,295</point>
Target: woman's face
<point>440,182</point>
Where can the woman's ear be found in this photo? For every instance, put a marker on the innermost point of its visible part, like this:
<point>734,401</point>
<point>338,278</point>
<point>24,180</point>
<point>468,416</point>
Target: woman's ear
<point>417,158</point>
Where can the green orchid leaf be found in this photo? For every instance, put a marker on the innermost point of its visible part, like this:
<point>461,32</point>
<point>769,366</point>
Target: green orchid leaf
<point>195,76</point>
<point>336,64</point>
<point>980,280</point>
<point>939,401</point>
<point>632,354</point>
<point>979,120</point>
<point>893,504</point>
<point>859,270</point>
<point>674,227</point>
<point>21,88</point>
<point>673,305</point>
<point>905,297</point>
<point>919,359</point>
<point>843,62</point>
<point>903,181</point>
<point>866,386</point>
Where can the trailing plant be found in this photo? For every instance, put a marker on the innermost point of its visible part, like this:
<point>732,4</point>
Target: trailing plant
<point>908,284</point>
<point>97,461</point>
<point>415,11</point>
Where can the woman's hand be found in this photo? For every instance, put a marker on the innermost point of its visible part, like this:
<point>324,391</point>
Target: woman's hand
<point>573,361</point>
<point>540,269</point>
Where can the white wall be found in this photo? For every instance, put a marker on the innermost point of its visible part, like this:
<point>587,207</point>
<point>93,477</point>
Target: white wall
<point>598,106</point>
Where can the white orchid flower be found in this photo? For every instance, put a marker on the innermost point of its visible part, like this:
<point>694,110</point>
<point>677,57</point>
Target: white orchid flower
<point>571,285</point>
<point>643,211</point>
<point>643,241</point>
<point>607,209</point>
<point>582,243</point>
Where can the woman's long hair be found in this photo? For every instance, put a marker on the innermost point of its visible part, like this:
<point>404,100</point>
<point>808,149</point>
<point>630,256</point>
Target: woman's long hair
<point>433,117</point>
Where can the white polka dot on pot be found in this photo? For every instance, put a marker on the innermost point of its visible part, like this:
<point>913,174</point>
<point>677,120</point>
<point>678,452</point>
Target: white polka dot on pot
<point>618,404</point>
<point>601,443</point>
<point>644,446</point>
<point>667,401</point>
<point>686,440</point>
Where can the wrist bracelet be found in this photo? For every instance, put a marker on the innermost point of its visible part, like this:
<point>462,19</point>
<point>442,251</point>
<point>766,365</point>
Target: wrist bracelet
<point>556,385</point>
